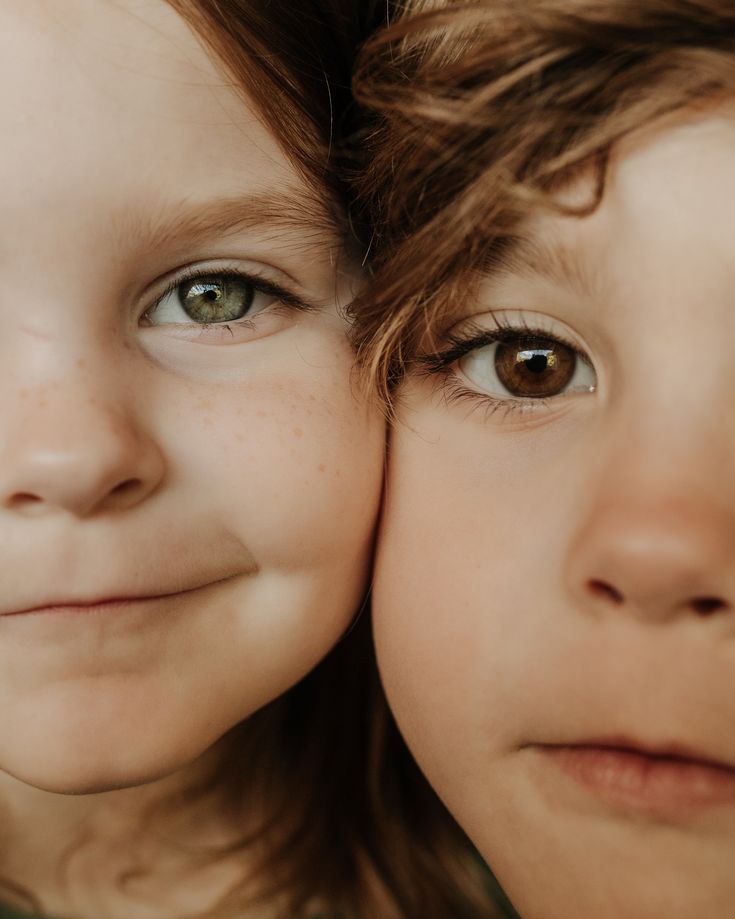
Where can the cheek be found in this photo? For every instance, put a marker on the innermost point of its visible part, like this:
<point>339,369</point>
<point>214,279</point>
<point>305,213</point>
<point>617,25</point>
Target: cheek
<point>291,467</point>
<point>430,639</point>
<point>285,469</point>
<point>467,539</point>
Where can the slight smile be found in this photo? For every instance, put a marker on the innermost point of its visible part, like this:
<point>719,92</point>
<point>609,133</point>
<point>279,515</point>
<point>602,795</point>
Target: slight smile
<point>103,604</point>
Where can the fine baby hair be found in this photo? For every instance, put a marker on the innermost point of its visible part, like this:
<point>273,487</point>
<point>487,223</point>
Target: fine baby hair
<point>548,191</point>
<point>190,482</point>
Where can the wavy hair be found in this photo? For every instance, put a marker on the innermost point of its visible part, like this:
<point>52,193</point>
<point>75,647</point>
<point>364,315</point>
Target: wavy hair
<point>477,111</point>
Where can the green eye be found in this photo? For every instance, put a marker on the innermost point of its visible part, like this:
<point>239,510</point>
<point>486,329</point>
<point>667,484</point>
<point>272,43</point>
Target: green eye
<point>215,299</point>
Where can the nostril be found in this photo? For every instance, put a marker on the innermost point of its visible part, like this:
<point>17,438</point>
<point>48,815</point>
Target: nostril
<point>605,591</point>
<point>22,499</point>
<point>705,606</point>
<point>126,487</point>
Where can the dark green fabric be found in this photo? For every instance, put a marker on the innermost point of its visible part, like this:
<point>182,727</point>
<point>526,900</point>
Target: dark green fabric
<point>11,914</point>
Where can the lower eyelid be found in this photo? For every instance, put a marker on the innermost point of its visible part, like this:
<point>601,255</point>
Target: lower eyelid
<point>453,391</point>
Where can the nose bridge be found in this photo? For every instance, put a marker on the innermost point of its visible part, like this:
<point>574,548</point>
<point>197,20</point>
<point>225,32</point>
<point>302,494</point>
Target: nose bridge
<point>655,535</point>
<point>70,438</point>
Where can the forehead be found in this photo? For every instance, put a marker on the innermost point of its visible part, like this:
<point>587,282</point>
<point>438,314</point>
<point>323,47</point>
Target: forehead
<point>668,197</point>
<point>117,101</point>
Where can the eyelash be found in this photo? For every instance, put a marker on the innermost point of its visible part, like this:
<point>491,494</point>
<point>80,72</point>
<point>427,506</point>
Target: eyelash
<point>260,284</point>
<point>454,391</point>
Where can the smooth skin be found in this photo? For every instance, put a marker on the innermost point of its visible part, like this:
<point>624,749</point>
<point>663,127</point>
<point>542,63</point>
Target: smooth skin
<point>560,571</point>
<point>219,480</point>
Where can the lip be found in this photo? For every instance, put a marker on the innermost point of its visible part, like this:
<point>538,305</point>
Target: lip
<point>102,604</point>
<point>662,780</point>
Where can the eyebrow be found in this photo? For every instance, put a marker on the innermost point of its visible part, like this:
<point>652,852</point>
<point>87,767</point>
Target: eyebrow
<point>292,212</point>
<point>549,259</point>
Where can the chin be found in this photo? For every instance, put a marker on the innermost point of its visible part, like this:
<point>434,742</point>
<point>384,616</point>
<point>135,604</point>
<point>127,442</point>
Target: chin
<point>94,768</point>
<point>103,749</point>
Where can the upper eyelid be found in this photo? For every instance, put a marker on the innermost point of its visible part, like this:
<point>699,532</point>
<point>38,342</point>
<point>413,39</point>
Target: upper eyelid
<point>480,337</point>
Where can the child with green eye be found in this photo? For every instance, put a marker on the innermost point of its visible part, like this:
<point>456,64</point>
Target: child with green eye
<point>190,481</point>
<point>549,187</point>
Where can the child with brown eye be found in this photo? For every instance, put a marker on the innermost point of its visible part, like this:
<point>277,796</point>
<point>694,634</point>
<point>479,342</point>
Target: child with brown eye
<point>189,480</point>
<point>550,189</point>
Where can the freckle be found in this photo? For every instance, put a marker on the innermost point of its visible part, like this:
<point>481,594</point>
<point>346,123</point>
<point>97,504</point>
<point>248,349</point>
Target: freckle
<point>42,403</point>
<point>298,432</point>
<point>260,413</point>
<point>239,438</point>
<point>81,363</point>
<point>338,473</point>
<point>322,467</point>
<point>23,394</point>
<point>205,404</point>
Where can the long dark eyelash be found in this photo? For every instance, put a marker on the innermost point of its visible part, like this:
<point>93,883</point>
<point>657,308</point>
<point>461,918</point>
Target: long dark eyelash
<point>260,284</point>
<point>476,336</point>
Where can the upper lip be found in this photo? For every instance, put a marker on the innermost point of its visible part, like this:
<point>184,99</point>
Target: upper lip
<point>672,750</point>
<point>104,599</point>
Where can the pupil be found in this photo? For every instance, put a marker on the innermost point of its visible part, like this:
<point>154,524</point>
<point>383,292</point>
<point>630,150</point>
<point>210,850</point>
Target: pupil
<point>537,364</point>
<point>536,368</point>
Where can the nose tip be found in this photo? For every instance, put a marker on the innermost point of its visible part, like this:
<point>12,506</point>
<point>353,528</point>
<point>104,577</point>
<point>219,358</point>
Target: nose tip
<point>78,463</point>
<point>655,563</point>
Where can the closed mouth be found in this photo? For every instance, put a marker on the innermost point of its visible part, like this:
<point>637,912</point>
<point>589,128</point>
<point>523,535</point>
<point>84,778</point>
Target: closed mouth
<point>103,604</point>
<point>662,780</point>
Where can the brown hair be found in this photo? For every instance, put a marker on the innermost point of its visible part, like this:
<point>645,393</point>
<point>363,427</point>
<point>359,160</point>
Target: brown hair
<point>348,828</point>
<point>480,111</point>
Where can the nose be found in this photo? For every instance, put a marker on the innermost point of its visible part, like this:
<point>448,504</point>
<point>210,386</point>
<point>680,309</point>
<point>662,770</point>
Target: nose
<point>655,546</point>
<point>70,451</point>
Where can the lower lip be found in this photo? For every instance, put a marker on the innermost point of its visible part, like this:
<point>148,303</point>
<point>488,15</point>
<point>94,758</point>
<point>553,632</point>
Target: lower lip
<point>653,784</point>
<point>71,627</point>
<point>107,607</point>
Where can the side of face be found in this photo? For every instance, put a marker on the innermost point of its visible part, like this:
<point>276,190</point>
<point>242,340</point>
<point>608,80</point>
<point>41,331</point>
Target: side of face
<point>555,590</point>
<point>188,485</point>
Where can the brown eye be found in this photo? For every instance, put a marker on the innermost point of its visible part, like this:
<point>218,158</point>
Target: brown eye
<point>535,367</point>
<point>216,299</point>
<point>528,367</point>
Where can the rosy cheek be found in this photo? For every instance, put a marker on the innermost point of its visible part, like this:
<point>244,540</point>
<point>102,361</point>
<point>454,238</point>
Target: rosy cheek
<point>295,473</point>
